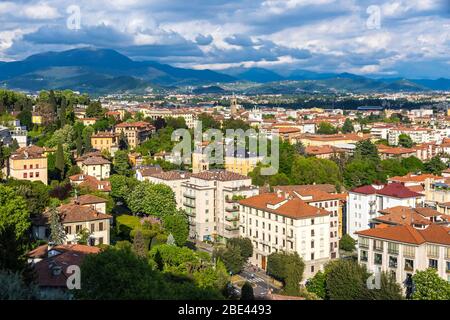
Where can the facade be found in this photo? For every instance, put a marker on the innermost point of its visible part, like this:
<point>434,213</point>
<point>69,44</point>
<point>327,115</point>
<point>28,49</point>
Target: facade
<point>278,222</point>
<point>418,135</point>
<point>75,218</point>
<point>135,132</point>
<point>364,203</point>
<point>105,141</point>
<point>174,180</point>
<point>188,116</point>
<point>93,164</point>
<point>402,250</point>
<point>210,200</point>
<point>241,165</point>
<point>28,163</point>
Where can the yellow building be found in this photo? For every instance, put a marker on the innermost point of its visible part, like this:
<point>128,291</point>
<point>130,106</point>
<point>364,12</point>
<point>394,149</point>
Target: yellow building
<point>241,165</point>
<point>135,132</point>
<point>105,141</point>
<point>28,163</point>
<point>88,121</point>
<point>36,118</point>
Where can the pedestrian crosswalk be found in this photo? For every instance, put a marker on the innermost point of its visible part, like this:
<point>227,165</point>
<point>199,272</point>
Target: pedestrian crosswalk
<point>255,280</point>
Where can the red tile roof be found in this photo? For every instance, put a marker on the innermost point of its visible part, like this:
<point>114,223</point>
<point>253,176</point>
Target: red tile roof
<point>294,208</point>
<point>395,190</point>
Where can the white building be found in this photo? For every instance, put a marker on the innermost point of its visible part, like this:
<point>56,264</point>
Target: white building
<point>277,222</point>
<point>402,250</point>
<point>363,203</point>
<point>210,200</point>
<point>173,179</point>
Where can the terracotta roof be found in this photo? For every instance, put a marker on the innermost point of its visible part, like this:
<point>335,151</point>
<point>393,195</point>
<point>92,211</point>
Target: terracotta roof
<point>221,175</point>
<point>293,208</point>
<point>316,192</point>
<point>318,150</point>
<point>396,150</point>
<point>88,199</point>
<point>95,161</point>
<point>75,213</point>
<point>91,182</point>
<point>148,171</point>
<point>405,233</point>
<point>139,124</point>
<point>396,190</point>
<point>171,175</point>
<point>30,152</point>
<point>62,257</point>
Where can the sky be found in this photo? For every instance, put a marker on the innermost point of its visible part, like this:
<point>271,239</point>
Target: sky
<point>384,38</point>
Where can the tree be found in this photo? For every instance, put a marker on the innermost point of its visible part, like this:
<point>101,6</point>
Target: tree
<point>245,244</point>
<point>347,243</point>
<point>366,150</point>
<point>139,247</point>
<point>62,111</point>
<point>87,134</point>
<point>121,163</point>
<point>347,127</point>
<point>247,291</point>
<point>82,237</point>
<point>57,234</point>
<point>314,170</point>
<point>360,172</point>
<point>405,141</point>
<point>14,223</point>
<point>288,268</point>
<point>318,284</point>
<point>231,256</point>
<point>12,287</point>
<point>177,225</point>
<point>389,289</point>
<point>325,128</point>
<point>79,144</point>
<point>393,167</point>
<point>346,280</point>
<point>122,186</point>
<point>59,162</point>
<point>429,286</point>
<point>412,164</point>
<point>152,199</point>
<point>95,110</point>
<point>434,166</point>
<point>208,122</point>
<point>123,142</point>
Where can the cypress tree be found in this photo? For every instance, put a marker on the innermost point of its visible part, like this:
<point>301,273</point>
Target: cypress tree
<point>59,161</point>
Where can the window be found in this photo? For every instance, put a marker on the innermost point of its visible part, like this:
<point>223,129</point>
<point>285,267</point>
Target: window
<point>92,227</point>
<point>409,264</point>
<point>312,269</point>
<point>447,253</point>
<point>68,230</point>
<point>25,175</point>
<point>408,251</point>
<point>37,165</point>
<point>312,233</point>
<point>447,267</point>
<point>378,245</point>
<point>37,175</point>
<point>31,174</point>
<point>312,244</point>
<point>312,221</point>
<point>312,256</point>
<point>378,258</point>
<point>24,167</point>
<point>363,242</point>
<point>432,250</point>
<point>393,248</point>
<point>363,255</point>
<point>100,240</point>
<point>31,166</point>
<point>433,263</point>
<point>392,262</point>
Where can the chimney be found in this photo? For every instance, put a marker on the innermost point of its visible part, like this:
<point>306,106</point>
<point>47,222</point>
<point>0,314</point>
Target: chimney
<point>278,193</point>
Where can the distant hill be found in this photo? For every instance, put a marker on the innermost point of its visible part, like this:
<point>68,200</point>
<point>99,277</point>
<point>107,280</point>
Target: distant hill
<point>98,70</point>
<point>105,71</point>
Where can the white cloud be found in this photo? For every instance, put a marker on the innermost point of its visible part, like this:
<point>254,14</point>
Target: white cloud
<point>41,11</point>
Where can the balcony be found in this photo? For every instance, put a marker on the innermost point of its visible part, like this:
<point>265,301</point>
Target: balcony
<point>190,205</point>
<point>232,218</point>
<point>231,228</point>
<point>187,195</point>
<point>190,213</point>
<point>232,209</point>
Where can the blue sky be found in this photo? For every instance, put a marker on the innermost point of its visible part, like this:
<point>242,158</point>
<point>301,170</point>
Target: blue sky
<point>389,38</point>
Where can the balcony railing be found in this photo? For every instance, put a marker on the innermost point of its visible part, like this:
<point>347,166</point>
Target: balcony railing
<point>232,218</point>
<point>232,209</point>
<point>187,195</point>
<point>231,228</point>
<point>191,214</point>
<point>190,205</point>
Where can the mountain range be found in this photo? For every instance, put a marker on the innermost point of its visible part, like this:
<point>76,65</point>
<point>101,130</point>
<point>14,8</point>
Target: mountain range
<point>96,70</point>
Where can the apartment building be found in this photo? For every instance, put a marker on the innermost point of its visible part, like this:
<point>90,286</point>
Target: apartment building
<point>75,218</point>
<point>279,222</point>
<point>402,250</point>
<point>323,197</point>
<point>242,165</point>
<point>135,132</point>
<point>105,141</point>
<point>27,163</point>
<point>418,135</point>
<point>95,165</point>
<point>188,116</point>
<point>210,200</point>
<point>364,203</point>
<point>173,179</point>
